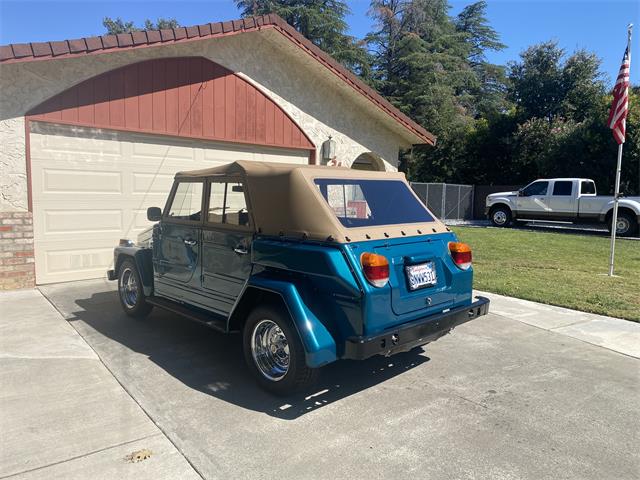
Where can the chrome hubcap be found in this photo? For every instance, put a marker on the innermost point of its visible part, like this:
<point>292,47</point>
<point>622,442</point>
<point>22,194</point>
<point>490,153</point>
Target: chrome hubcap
<point>270,350</point>
<point>622,225</point>
<point>499,217</point>
<point>129,288</point>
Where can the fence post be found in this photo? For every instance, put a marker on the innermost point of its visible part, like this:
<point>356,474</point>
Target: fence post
<point>473,199</point>
<point>443,212</point>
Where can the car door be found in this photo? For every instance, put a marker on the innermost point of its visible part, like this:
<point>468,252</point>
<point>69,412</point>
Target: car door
<point>562,200</point>
<point>177,243</point>
<point>532,200</point>
<point>226,242</point>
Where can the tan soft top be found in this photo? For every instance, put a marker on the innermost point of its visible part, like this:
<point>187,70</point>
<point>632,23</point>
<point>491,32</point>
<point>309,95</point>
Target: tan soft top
<point>284,201</point>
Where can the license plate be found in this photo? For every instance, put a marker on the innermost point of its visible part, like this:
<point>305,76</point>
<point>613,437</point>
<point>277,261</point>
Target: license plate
<point>423,275</point>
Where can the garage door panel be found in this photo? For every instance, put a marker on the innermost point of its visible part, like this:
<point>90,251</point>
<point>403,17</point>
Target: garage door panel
<point>79,221</point>
<point>76,263</point>
<point>80,180</point>
<point>92,187</point>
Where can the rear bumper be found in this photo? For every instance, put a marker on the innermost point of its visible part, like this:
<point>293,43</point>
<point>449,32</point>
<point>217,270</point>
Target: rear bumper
<point>418,332</point>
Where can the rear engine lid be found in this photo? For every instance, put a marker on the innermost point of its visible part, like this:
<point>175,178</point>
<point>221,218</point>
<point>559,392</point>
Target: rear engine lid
<point>413,264</point>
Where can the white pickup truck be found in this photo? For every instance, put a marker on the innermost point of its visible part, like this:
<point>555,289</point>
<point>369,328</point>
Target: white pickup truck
<point>563,199</point>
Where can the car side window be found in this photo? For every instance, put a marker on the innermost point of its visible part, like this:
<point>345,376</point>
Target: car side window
<point>227,204</point>
<point>562,188</point>
<point>587,188</point>
<point>536,188</point>
<point>187,202</point>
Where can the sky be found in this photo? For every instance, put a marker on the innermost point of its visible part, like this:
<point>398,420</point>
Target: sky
<point>595,25</point>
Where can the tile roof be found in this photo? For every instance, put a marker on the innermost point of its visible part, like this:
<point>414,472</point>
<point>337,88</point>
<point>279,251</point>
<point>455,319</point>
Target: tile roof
<point>24,52</point>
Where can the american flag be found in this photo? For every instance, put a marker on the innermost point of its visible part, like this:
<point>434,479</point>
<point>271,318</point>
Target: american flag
<point>620,105</point>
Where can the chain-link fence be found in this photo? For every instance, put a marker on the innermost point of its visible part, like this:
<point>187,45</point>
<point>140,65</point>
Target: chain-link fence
<point>446,200</point>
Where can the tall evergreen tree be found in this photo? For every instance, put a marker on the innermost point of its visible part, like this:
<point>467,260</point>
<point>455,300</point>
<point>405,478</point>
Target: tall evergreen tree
<point>490,89</point>
<point>321,21</point>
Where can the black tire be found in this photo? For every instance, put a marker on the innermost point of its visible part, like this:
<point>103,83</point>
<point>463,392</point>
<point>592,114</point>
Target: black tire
<point>282,381</point>
<point>500,216</point>
<point>627,219</point>
<point>133,304</point>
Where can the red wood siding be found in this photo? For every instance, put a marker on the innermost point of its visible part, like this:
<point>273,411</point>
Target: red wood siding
<point>191,97</point>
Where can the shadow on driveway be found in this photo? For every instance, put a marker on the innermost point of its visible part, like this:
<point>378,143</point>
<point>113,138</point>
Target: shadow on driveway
<point>212,362</point>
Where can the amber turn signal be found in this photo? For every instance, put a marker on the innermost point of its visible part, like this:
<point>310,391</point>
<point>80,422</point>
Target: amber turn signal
<point>375,268</point>
<point>461,254</point>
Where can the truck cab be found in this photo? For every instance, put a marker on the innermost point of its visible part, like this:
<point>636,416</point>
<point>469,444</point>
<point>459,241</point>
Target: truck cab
<point>310,264</point>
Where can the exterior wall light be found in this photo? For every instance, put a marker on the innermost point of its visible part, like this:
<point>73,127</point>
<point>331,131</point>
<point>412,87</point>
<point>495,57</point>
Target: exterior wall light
<point>328,150</point>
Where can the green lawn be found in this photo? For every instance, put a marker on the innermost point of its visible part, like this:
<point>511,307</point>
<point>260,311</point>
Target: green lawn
<point>558,269</point>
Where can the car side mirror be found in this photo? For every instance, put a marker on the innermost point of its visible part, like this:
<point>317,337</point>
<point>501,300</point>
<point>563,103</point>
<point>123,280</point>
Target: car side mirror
<point>237,188</point>
<point>521,193</point>
<point>154,214</point>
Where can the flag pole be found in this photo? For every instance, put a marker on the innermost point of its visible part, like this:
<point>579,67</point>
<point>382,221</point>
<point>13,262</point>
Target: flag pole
<point>616,195</point>
<point>614,219</point>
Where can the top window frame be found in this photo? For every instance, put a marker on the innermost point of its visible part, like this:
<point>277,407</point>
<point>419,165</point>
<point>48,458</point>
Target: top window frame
<point>226,226</point>
<point>537,194</point>
<point>558,183</point>
<point>174,188</point>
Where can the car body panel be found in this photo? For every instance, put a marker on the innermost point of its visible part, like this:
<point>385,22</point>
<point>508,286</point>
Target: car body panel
<point>319,344</point>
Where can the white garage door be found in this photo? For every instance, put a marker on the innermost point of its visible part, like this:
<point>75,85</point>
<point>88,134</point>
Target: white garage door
<point>90,188</point>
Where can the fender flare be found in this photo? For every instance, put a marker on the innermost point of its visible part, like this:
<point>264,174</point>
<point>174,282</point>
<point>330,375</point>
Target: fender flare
<point>319,345</point>
<point>143,259</point>
<point>622,203</point>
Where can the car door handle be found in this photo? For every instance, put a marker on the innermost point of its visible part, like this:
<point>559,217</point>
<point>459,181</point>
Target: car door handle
<point>191,243</point>
<point>240,250</point>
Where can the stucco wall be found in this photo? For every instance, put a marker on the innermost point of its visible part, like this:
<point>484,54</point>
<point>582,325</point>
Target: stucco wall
<point>314,98</point>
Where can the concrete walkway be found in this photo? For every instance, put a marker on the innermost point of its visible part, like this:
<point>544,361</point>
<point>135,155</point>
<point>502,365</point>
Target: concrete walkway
<point>62,413</point>
<point>622,336</point>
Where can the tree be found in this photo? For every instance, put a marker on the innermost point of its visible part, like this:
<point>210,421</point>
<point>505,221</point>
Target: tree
<point>490,91</point>
<point>321,21</point>
<point>536,81</point>
<point>117,25</point>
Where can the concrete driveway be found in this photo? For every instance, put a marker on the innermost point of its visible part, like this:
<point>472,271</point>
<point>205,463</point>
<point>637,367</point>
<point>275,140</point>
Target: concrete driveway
<point>497,399</point>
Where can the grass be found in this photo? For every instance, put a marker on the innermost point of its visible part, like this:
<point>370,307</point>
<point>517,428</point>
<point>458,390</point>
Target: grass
<point>557,269</point>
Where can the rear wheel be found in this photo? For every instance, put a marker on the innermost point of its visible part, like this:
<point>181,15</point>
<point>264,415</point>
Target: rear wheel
<point>500,216</point>
<point>626,225</point>
<point>130,291</point>
<point>274,353</point>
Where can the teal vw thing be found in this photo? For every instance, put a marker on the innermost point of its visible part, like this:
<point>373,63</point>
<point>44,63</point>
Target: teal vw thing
<point>311,264</point>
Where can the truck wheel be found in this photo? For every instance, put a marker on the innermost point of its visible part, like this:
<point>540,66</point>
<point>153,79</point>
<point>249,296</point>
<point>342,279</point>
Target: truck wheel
<point>626,226</point>
<point>500,216</point>
<point>130,291</point>
<point>274,353</point>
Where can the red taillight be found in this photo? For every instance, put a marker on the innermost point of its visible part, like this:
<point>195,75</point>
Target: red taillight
<point>375,268</point>
<point>461,254</point>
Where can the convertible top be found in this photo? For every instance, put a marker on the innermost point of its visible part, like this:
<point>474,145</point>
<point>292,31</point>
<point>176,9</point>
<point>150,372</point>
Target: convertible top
<point>284,201</point>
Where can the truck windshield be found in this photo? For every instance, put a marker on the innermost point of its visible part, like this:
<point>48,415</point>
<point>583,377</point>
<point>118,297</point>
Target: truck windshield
<point>365,203</point>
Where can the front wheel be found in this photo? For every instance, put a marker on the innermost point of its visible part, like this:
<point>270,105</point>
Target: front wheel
<point>130,291</point>
<point>626,225</point>
<point>500,216</point>
<point>274,353</point>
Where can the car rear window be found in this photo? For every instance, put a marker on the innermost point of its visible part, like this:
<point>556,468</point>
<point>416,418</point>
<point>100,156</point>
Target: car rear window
<point>365,203</point>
